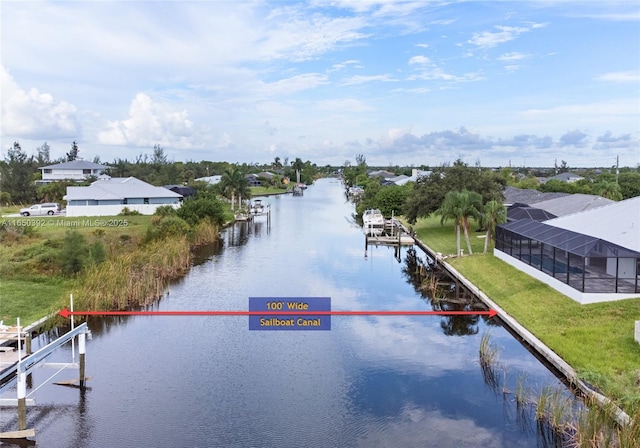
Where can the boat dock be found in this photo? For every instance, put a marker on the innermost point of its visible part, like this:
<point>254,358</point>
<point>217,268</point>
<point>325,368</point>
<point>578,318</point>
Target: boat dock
<point>394,235</point>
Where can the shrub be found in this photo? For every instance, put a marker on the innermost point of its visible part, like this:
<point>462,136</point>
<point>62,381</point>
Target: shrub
<point>171,226</point>
<point>166,210</point>
<point>74,253</point>
<point>204,206</point>
<point>126,212</point>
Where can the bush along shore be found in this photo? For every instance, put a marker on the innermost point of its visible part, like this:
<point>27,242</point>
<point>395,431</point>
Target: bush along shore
<point>104,267</point>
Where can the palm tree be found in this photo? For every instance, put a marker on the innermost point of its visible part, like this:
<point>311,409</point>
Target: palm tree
<point>609,190</point>
<point>242,189</point>
<point>297,165</point>
<point>494,213</point>
<point>471,205</point>
<point>231,183</point>
<point>451,210</point>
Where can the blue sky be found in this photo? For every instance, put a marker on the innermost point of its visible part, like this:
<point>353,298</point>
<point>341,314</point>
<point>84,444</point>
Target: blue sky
<point>524,83</point>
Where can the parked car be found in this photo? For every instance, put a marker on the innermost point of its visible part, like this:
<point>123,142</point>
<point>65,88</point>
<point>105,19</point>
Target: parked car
<point>50,208</point>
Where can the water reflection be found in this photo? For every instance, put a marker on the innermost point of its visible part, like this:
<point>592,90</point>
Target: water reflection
<point>371,381</point>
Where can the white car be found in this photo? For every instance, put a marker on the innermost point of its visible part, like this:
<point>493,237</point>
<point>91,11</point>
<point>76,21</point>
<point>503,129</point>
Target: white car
<point>50,208</point>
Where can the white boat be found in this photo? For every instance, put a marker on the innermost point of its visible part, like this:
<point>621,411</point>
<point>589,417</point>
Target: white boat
<point>373,222</point>
<point>257,207</point>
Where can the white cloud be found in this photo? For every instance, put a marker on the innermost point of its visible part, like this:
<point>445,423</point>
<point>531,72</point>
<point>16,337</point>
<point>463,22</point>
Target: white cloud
<point>626,76</point>
<point>293,84</point>
<point>344,105</point>
<point>488,39</point>
<point>361,79</point>
<point>419,60</point>
<point>150,123</point>
<point>32,114</point>
<point>513,56</point>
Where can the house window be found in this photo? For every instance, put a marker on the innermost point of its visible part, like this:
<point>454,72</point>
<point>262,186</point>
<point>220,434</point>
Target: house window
<point>86,171</point>
<point>47,171</point>
<point>146,200</point>
<point>124,201</point>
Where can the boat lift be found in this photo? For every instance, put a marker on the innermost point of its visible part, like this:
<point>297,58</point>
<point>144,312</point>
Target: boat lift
<point>17,374</point>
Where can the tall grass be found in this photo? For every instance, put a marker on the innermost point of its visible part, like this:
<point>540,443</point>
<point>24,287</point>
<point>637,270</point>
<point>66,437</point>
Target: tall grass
<point>205,232</point>
<point>135,278</point>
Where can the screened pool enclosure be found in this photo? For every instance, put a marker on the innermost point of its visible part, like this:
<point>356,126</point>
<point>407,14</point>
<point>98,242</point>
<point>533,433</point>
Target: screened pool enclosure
<point>586,263</point>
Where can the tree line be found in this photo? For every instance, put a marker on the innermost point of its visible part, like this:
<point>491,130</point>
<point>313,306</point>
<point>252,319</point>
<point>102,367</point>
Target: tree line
<point>19,172</point>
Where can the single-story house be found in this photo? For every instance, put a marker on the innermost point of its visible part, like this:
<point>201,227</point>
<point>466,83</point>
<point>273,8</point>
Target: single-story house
<point>211,180</point>
<point>76,170</point>
<point>563,177</point>
<point>183,190</point>
<point>253,180</point>
<point>109,196</point>
<point>590,256</point>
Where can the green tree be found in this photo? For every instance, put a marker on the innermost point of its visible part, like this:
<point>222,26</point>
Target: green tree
<point>494,213</point>
<point>74,253</point>
<point>73,152</point>
<point>471,206</point>
<point>232,182</point>
<point>159,157</point>
<point>451,210</point>
<point>609,190</point>
<point>44,154</point>
<point>203,206</point>
<point>297,165</point>
<point>629,182</point>
<point>429,191</point>
<point>17,175</point>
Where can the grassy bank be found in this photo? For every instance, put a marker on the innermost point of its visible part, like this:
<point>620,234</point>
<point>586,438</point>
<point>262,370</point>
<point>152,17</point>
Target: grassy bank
<point>133,270</point>
<point>597,339</point>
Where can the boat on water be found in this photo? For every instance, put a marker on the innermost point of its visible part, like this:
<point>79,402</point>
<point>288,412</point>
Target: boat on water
<point>257,207</point>
<point>298,190</point>
<point>373,221</point>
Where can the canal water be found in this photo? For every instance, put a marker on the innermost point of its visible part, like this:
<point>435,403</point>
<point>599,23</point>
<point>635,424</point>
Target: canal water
<point>371,381</point>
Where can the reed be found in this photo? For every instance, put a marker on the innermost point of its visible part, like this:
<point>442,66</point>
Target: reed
<point>595,428</point>
<point>488,351</point>
<point>135,278</point>
<point>205,232</point>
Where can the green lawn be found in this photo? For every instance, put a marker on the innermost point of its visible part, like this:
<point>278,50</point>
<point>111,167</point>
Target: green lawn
<point>597,339</point>
<point>266,191</point>
<point>31,299</point>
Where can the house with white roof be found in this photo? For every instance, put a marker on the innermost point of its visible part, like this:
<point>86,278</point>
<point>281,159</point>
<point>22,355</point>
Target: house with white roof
<point>109,196</point>
<point>590,256</point>
<point>76,170</point>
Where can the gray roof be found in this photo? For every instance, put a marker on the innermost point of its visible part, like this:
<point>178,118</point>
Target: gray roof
<point>566,177</point>
<point>573,203</point>
<point>514,195</point>
<point>617,222</point>
<point>210,179</point>
<point>118,188</point>
<point>76,165</point>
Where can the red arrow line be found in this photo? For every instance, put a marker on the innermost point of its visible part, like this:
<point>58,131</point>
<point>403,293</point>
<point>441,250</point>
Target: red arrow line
<point>66,313</point>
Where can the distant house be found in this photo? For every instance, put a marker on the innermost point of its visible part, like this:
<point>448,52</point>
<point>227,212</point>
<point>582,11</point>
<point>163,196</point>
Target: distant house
<point>211,180</point>
<point>253,180</point>
<point>109,196</point>
<point>266,175</point>
<point>186,192</point>
<point>381,173</point>
<point>76,170</point>
<point>563,177</point>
